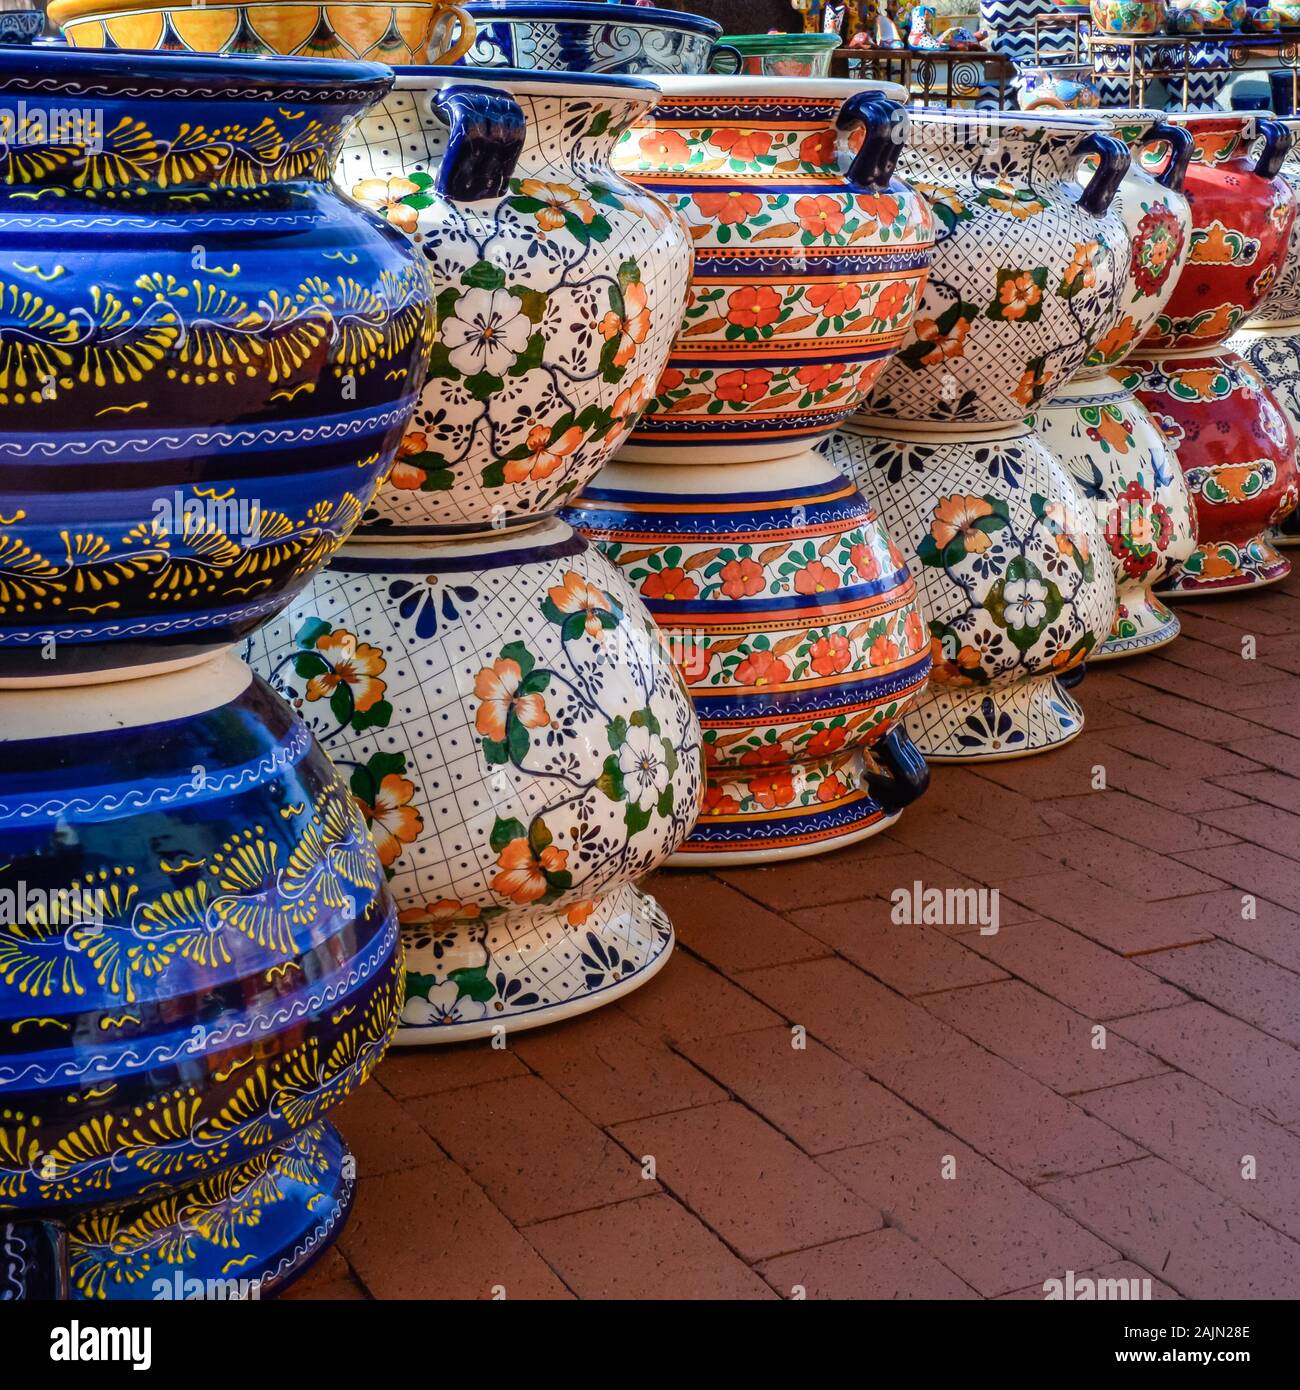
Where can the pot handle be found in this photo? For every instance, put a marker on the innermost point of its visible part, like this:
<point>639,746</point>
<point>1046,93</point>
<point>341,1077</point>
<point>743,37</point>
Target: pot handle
<point>33,1262</point>
<point>725,60</point>
<point>885,122</point>
<point>1277,145</point>
<point>1114,161</point>
<point>1181,143</point>
<point>905,776</point>
<point>486,134</point>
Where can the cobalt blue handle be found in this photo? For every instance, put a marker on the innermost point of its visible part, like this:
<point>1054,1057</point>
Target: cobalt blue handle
<point>486,134</point>
<point>725,60</point>
<point>1277,145</point>
<point>905,774</point>
<point>1181,143</point>
<point>1113,162</point>
<point>885,123</point>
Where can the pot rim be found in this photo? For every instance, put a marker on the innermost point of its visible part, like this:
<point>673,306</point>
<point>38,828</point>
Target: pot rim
<point>57,71</point>
<point>520,81</point>
<point>521,11</point>
<point>1007,122</point>
<point>726,87</point>
<point>63,12</point>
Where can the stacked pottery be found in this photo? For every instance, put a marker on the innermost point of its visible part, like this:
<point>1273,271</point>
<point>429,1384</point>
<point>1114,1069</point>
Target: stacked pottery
<point>493,690</point>
<point>1095,426</point>
<point>1008,555</point>
<point>793,619</point>
<point>1233,441</point>
<point>209,360</point>
<point>1270,342</point>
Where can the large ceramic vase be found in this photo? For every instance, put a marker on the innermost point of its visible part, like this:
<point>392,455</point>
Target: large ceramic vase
<point>523,748</point>
<point>510,726</point>
<point>1028,276</point>
<point>1096,427</point>
<point>1273,351</point>
<point>560,288</point>
<point>198,960</point>
<point>794,622</point>
<point>208,354</point>
<point>796,625</point>
<point>592,38</point>
<point>1231,434</point>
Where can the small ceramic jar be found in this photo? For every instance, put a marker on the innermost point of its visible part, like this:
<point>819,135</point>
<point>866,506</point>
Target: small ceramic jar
<point>1057,87</point>
<point>1137,18</point>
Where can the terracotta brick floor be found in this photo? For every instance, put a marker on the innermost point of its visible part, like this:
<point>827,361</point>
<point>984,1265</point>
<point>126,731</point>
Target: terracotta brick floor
<point>971,1114</point>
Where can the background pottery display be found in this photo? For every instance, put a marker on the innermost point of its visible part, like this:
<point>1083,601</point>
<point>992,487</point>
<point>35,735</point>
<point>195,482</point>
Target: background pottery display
<point>1059,87</point>
<point>785,55</point>
<point>385,31</point>
<point>560,287</point>
<point>796,625</point>
<point>1237,451</point>
<point>209,355</point>
<point>198,960</point>
<point>808,259</point>
<point>1027,271</point>
<point>1012,572</point>
<point>593,38</point>
<point>21,21</point>
<point>523,749</point>
<point>1135,17</point>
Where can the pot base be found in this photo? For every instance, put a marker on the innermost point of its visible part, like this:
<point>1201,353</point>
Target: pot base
<point>465,980</point>
<point>243,1234</point>
<point>1222,567</point>
<point>982,725</point>
<point>1142,623</point>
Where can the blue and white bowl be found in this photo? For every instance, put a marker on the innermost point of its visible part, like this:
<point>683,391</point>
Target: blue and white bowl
<point>591,38</point>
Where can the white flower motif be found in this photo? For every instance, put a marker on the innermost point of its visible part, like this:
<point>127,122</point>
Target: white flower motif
<point>486,333</point>
<point>442,1006</point>
<point>641,761</point>
<point>1026,602</point>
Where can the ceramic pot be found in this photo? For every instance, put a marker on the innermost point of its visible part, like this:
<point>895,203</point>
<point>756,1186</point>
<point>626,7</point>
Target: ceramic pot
<point>785,55</point>
<point>523,749</point>
<point>1274,353</point>
<point>1241,223</point>
<point>1135,17</point>
<point>1027,270</point>
<point>209,355</point>
<point>808,260</point>
<point>1287,12</point>
<point>20,23</point>
<point>1158,221</point>
<point>198,960</point>
<point>1011,568</point>
<point>796,625</point>
<point>594,38</point>
<point>1281,306</point>
<point>1057,87</point>
<point>383,31</point>
<point>1206,16</point>
<point>561,286</point>
<point>1236,449</point>
<point>1118,458</point>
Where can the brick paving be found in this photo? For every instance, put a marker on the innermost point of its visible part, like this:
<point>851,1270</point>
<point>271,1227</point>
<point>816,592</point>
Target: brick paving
<point>812,1099</point>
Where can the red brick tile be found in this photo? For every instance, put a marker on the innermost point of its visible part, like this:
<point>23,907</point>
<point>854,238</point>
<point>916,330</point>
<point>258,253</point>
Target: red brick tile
<point>729,930</point>
<point>1221,663</point>
<point>422,1071</point>
<point>1124,865</point>
<point>760,1194</point>
<point>1035,1033</point>
<point>970,848</point>
<point>911,959</point>
<point>1279,751</point>
<point>1141,823</point>
<point>964,791</point>
<point>853,1014</point>
<point>1105,914</point>
<point>1283,718</point>
<point>529,1149</point>
<point>882,1265</point>
<point>1179,752</point>
<point>1209,1137</point>
<point>1189,717</point>
<point>1273,931</point>
<point>381,1134</point>
<point>1234,695</point>
<point>989,1228</point>
<point>1254,990</point>
<point>609,1067</point>
<point>337,1291</point>
<point>431,1233</point>
<point>1080,974</point>
<point>689,1000</point>
<point>811,1095</point>
<point>651,1248</point>
<point>1236,1059</point>
<point>1009,1117</point>
<point>1200,1244</point>
<point>1256,870</point>
<point>1273,788</point>
<point>1147,1288</point>
<point>1065,771</point>
<point>327,1278</point>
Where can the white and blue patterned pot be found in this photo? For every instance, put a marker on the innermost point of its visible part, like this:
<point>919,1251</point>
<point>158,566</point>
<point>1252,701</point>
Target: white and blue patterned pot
<point>592,38</point>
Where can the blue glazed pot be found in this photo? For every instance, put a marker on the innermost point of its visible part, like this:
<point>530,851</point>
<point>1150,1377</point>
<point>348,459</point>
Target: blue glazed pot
<point>595,38</point>
<point>198,959</point>
<point>208,353</point>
